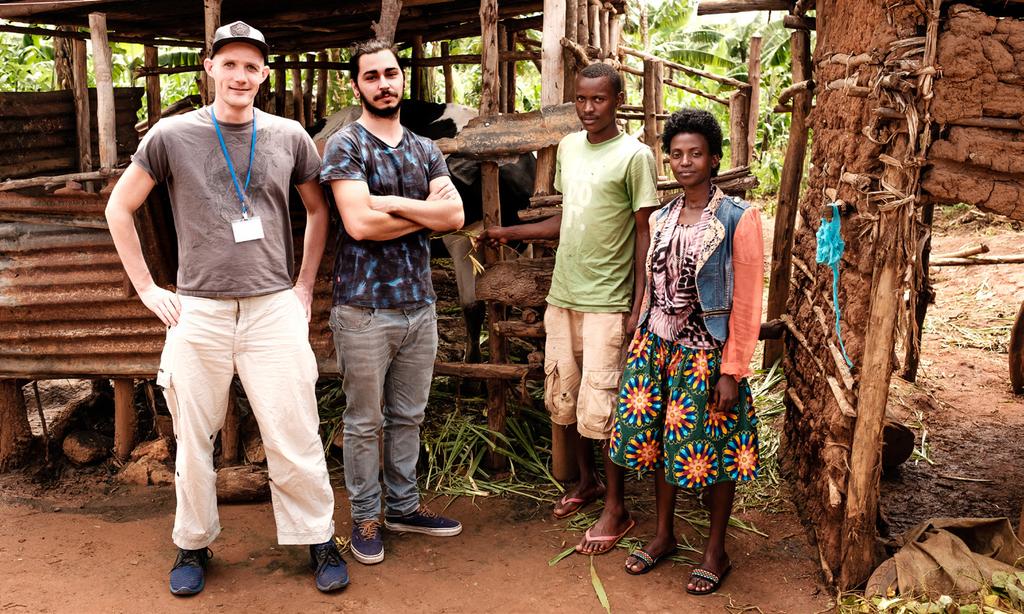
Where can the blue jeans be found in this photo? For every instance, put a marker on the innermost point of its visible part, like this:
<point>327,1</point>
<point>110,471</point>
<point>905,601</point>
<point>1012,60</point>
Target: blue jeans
<point>386,360</point>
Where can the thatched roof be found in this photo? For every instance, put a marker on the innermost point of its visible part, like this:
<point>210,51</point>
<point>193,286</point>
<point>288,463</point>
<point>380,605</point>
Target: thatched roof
<point>297,25</point>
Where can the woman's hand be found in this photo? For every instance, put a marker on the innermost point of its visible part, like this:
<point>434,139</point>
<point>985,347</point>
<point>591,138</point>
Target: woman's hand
<point>727,393</point>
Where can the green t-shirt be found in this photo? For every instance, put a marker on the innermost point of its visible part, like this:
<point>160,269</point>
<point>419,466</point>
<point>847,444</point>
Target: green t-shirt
<point>602,187</point>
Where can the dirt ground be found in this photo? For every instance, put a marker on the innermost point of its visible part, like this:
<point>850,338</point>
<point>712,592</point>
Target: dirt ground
<point>86,544</point>
<point>972,423</point>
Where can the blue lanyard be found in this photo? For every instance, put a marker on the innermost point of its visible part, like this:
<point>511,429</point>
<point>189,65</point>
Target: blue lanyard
<point>231,167</point>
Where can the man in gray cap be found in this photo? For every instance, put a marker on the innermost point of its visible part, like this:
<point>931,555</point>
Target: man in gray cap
<point>228,169</point>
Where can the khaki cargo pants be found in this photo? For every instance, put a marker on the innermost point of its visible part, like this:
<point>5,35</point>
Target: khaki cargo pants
<point>583,359</point>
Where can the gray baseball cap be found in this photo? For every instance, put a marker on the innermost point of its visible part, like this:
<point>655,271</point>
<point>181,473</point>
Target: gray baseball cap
<point>239,32</point>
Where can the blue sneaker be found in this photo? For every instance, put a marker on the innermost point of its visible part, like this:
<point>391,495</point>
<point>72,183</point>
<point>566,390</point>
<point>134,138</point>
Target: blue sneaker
<point>367,544</point>
<point>330,570</point>
<point>188,576</point>
<point>423,521</point>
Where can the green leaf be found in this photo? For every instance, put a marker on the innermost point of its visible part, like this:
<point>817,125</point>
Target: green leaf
<point>599,587</point>
<point>561,555</point>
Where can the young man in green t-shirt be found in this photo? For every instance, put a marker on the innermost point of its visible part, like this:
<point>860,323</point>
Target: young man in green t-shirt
<point>609,190</point>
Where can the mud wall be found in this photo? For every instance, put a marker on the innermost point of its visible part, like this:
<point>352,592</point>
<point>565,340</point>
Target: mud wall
<point>982,81</point>
<point>845,165</point>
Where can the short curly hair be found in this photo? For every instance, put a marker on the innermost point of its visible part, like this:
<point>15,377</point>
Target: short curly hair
<point>694,121</point>
<point>368,47</point>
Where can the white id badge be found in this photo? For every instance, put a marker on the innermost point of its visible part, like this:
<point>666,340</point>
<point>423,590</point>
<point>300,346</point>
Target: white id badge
<point>247,230</point>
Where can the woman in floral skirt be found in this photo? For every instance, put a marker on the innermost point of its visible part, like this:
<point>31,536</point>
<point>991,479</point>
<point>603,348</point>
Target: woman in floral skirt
<point>685,409</point>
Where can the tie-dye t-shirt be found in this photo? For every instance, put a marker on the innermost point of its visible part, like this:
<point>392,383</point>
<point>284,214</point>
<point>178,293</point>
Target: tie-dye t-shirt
<point>383,274</point>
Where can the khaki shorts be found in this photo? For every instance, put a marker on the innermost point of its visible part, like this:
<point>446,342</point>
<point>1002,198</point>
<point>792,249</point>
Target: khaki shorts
<point>583,360</point>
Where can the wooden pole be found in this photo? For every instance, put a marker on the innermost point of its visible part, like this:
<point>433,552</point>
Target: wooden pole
<point>388,23</point>
<point>789,192</point>
<point>153,108</point>
<point>721,7</point>
<point>925,295</point>
<point>594,19</point>
<point>417,90</point>
<point>754,78</point>
<point>509,78</point>
<point>125,420</point>
<point>15,432</point>
<point>298,113</point>
<point>738,108</point>
<point>65,80</point>
<point>606,32</point>
<point>502,70</point>
<point>83,120</point>
<point>280,87</point>
<point>653,99</point>
<point>321,88</point>
<point>489,103</point>
<point>307,92</point>
<point>552,80</point>
<point>107,126</point>
<point>582,22</point>
<point>229,432</point>
<point>211,15</point>
<point>449,78</point>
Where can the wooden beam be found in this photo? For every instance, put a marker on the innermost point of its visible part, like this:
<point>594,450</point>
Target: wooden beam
<point>488,371</point>
<point>84,36</point>
<point>280,87</point>
<point>754,79</point>
<point>321,88</point>
<point>514,328</point>
<point>721,7</point>
<point>80,91</point>
<point>298,113</point>
<point>385,27</point>
<point>696,72</point>
<point>229,432</point>
<point>449,77</point>
<point>925,294</point>
<point>153,107</point>
<point>738,106</point>
<point>799,22</point>
<point>125,419</point>
<point>107,125</point>
<point>211,20</point>
<point>307,92</point>
<point>552,82</point>
<point>417,90</point>
<point>653,102</point>
<point>789,192</point>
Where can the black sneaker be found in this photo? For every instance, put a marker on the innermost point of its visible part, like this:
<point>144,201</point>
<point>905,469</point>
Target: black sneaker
<point>367,544</point>
<point>188,576</point>
<point>423,521</point>
<point>329,568</point>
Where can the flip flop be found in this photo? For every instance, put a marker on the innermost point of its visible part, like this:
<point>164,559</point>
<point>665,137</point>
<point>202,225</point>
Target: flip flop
<point>703,574</point>
<point>648,561</point>
<point>608,541</point>
<point>580,502</point>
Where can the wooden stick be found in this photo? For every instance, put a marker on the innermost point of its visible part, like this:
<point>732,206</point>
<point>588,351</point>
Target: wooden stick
<point>42,421</point>
<point>652,95</point>
<point>307,92</point>
<point>693,90</point>
<point>211,16</point>
<point>799,22</point>
<point>280,87</point>
<point>720,7</point>
<point>103,68</point>
<point>229,432</point>
<point>594,19</point>
<point>449,77</point>
<point>738,108</point>
<point>754,109</point>
<point>80,91</point>
<point>17,184</point>
<point>791,394</point>
<point>582,22</point>
<point>978,260</point>
<point>321,88</point>
<point>965,252</point>
<point>487,371</point>
<point>417,89</point>
<point>153,108</point>
<point>551,84</point>
<point>643,55</point>
<point>84,36</point>
<point>298,112</point>
<point>124,415</point>
<point>840,397</point>
<point>512,328</point>
<point>509,76</point>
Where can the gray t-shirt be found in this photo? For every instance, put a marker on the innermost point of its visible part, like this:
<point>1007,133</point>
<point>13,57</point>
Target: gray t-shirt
<point>184,152</point>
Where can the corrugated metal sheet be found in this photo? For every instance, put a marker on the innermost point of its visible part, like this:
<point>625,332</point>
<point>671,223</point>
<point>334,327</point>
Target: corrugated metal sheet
<point>65,311</point>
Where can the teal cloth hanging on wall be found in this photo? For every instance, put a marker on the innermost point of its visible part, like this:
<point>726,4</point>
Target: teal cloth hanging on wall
<point>830,252</point>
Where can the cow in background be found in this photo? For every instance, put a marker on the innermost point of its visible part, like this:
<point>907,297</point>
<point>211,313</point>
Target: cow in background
<point>515,180</point>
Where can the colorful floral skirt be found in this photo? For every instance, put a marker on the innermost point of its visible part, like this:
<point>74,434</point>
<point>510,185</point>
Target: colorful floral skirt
<point>664,416</point>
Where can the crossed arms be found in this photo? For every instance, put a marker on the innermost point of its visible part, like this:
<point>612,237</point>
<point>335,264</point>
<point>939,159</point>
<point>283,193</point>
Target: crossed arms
<point>379,218</point>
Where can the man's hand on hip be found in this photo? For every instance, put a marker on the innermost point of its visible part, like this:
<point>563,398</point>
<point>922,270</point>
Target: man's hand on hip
<point>163,303</point>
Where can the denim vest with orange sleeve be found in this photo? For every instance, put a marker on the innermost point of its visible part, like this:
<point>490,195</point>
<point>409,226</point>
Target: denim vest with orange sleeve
<point>714,262</point>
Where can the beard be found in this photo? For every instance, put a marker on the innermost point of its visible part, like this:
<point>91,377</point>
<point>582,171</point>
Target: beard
<point>385,112</point>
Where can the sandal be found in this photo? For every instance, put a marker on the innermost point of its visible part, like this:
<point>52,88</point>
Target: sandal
<point>571,505</point>
<point>645,559</point>
<point>703,574</point>
<point>607,541</point>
